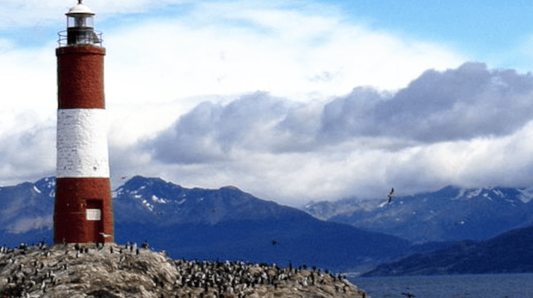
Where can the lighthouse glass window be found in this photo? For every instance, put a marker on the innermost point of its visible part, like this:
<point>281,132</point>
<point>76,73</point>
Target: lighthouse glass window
<point>93,214</point>
<point>80,21</point>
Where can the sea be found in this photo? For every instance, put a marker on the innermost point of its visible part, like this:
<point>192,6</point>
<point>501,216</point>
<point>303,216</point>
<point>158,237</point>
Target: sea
<point>449,286</point>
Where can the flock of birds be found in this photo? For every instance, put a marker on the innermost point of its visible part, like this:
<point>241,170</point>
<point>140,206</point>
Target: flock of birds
<point>237,277</point>
<point>32,271</point>
<point>106,270</point>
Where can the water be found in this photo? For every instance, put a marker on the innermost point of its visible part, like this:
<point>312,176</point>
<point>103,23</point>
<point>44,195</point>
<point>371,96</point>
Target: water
<point>449,286</point>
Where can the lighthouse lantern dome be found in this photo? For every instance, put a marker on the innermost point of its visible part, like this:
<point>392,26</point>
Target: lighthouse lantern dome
<point>80,16</point>
<point>80,27</point>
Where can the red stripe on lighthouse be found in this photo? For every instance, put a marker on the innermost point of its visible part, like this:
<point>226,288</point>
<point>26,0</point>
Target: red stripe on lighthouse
<point>72,222</point>
<point>80,77</point>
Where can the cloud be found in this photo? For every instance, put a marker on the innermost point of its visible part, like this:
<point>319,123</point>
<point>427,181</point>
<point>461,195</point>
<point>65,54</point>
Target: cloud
<point>27,147</point>
<point>210,131</point>
<point>239,47</point>
<point>178,53</point>
<point>468,126</point>
<point>28,78</point>
<point>457,104</point>
<point>210,93</point>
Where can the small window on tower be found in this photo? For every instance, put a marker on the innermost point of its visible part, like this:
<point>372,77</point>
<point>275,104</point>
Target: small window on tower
<point>93,214</point>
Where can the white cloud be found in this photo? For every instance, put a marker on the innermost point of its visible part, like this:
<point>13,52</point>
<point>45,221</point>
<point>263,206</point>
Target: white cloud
<point>27,147</point>
<point>458,103</point>
<point>164,59</point>
<point>219,49</point>
<point>347,169</point>
<point>234,48</point>
<point>216,52</point>
<point>284,150</point>
<point>28,78</point>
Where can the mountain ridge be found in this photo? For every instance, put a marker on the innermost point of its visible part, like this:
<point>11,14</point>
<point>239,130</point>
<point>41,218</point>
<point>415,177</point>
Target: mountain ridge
<point>510,252</point>
<point>207,205</point>
<point>209,224</point>
<point>449,214</point>
<point>226,223</point>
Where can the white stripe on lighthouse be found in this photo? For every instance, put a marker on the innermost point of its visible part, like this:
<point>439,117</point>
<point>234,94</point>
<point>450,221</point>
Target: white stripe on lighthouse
<point>82,143</point>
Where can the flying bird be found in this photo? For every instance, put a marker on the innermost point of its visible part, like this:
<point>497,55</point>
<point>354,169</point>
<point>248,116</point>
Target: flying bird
<point>105,235</point>
<point>390,195</point>
<point>389,198</point>
<point>409,295</point>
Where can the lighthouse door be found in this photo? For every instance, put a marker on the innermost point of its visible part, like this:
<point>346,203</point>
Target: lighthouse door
<point>94,220</point>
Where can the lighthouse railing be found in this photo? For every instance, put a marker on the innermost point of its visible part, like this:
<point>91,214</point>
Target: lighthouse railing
<point>91,37</point>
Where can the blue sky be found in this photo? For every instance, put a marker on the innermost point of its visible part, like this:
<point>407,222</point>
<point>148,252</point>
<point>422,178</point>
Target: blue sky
<point>486,30</point>
<point>495,32</point>
<point>289,100</point>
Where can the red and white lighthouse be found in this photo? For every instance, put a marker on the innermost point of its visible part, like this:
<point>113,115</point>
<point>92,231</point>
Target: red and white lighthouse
<point>83,210</point>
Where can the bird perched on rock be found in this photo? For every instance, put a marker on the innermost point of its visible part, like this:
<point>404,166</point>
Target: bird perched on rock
<point>154,274</point>
<point>146,245</point>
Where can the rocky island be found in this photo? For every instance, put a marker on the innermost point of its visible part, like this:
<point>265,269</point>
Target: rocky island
<point>111,270</point>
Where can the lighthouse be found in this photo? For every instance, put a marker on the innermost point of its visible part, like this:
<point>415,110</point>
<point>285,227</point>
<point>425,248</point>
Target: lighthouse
<point>83,209</point>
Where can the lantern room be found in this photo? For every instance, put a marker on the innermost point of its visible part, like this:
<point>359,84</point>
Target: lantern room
<point>80,27</point>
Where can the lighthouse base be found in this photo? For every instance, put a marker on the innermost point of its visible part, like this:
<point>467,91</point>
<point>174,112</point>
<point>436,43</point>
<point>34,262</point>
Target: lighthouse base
<point>83,212</point>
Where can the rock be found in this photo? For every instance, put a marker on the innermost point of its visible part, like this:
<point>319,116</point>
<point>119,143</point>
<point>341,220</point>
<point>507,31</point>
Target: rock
<point>114,271</point>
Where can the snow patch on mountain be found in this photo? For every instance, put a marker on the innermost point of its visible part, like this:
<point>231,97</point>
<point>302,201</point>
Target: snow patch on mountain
<point>488,193</point>
<point>148,205</point>
<point>328,209</point>
<point>526,194</point>
<point>498,192</point>
<point>445,215</point>
<point>155,199</point>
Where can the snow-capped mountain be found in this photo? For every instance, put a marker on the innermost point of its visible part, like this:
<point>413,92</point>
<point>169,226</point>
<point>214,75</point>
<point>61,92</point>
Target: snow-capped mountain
<point>164,203</point>
<point>449,214</point>
<point>325,210</point>
<point>27,207</point>
<point>225,224</point>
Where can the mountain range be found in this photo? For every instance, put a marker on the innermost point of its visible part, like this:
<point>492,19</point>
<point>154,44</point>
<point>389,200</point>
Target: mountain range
<point>449,214</point>
<point>510,252</point>
<point>424,234</point>
<point>225,224</point>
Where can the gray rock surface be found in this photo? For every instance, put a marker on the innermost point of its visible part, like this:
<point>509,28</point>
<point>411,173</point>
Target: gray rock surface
<point>70,270</point>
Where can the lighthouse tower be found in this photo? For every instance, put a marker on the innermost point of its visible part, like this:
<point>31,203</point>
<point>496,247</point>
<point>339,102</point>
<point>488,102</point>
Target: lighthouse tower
<point>83,211</point>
